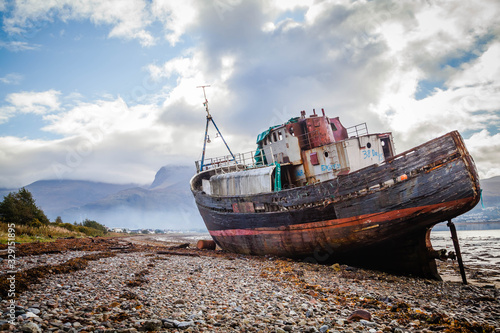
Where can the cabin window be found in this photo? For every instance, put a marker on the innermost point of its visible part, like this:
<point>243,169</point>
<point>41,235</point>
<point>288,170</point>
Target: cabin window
<point>274,137</point>
<point>333,127</point>
<point>280,136</point>
<point>291,131</point>
<point>316,122</point>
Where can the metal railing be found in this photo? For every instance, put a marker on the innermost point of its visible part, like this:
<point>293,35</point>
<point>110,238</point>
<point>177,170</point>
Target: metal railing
<point>227,163</point>
<point>357,130</point>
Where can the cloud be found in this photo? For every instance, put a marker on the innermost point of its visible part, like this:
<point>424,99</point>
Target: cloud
<point>104,141</point>
<point>128,18</point>
<point>12,79</point>
<point>485,149</point>
<point>176,17</point>
<point>24,161</point>
<point>265,62</point>
<point>35,102</point>
<point>6,112</point>
<point>18,46</point>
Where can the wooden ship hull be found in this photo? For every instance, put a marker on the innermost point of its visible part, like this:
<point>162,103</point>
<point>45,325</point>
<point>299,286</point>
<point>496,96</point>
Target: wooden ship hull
<point>379,216</point>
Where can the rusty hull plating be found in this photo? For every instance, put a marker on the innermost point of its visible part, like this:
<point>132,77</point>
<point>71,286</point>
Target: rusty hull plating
<point>377,216</point>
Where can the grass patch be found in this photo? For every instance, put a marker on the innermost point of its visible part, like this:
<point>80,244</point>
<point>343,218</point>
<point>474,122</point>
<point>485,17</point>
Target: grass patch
<point>45,233</point>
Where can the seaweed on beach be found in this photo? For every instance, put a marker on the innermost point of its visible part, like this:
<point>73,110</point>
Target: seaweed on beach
<point>24,279</point>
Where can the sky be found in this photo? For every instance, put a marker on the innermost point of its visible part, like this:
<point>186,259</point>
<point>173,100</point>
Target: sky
<point>107,90</point>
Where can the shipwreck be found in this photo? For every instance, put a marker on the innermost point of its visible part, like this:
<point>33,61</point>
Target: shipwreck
<point>317,191</point>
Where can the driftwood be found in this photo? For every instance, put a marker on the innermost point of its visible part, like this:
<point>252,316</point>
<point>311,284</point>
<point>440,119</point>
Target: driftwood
<point>176,253</point>
<point>181,246</point>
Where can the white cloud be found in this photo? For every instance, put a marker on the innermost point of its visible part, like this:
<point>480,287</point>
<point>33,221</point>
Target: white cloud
<point>485,70</point>
<point>362,61</point>
<point>128,18</point>
<point>6,112</point>
<point>485,149</point>
<point>24,161</point>
<point>103,141</point>
<point>421,39</point>
<point>17,46</point>
<point>102,116</point>
<point>35,102</point>
<point>176,16</point>
<point>12,79</point>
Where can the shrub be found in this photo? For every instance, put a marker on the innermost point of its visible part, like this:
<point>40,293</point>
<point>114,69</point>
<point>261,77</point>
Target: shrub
<point>95,225</point>
<point>35,224</point>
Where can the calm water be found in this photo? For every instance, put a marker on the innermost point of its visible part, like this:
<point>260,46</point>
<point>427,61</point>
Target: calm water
<point>480,247</point>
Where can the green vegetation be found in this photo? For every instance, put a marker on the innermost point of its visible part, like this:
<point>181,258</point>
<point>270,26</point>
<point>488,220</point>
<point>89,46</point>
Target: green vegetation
<point>31,223</point>
<point>19,208</point>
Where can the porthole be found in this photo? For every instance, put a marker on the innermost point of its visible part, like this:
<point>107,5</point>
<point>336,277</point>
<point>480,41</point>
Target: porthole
<point>326,154</point>
<point>368,145</point>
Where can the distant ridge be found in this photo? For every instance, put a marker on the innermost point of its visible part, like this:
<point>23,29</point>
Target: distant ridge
<point>166,203</point>
<point>54,196</point>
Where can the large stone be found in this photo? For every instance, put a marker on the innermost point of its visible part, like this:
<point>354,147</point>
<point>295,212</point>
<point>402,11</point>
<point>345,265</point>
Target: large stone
<point>34,310</point>
<point>152,325</point>
<point>185,324</point>
<point>30,327</point>
<point>360,314</point>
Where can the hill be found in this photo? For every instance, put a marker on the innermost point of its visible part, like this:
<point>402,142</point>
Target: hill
<point>166,203</point>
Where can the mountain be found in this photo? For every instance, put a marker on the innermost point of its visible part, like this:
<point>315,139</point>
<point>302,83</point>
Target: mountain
<point>54,196</point>
<point>491,191</point>
<point>167,203</point>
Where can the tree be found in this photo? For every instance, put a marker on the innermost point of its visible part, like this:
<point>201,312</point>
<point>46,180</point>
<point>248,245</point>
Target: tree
<point>20,208</point>
<point>59,220</point>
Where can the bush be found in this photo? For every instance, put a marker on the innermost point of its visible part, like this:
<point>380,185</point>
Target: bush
<point>35,224</point>
<point>95,225</point>
<point>67,226</point>
<point>88,227</point>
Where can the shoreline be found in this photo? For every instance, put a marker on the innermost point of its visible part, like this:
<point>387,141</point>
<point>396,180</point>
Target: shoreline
<point>140,283</point>
<point>483,275</point>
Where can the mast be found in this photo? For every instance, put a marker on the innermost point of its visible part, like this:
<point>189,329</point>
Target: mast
<point>210,119</point>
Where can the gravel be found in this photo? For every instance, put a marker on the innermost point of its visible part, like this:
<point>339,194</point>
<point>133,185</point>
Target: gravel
<point>211,291</point>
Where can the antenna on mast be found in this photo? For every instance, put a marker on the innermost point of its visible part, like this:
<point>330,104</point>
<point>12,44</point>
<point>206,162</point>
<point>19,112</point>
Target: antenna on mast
<point>207,138</point>
<point>206,100</point>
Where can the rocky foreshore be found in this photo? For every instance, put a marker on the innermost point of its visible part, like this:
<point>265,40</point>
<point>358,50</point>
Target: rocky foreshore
<point>122,285</point>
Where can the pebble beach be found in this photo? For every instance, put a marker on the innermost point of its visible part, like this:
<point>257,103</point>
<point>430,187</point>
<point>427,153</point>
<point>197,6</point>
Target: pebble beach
<point>142,284</point>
